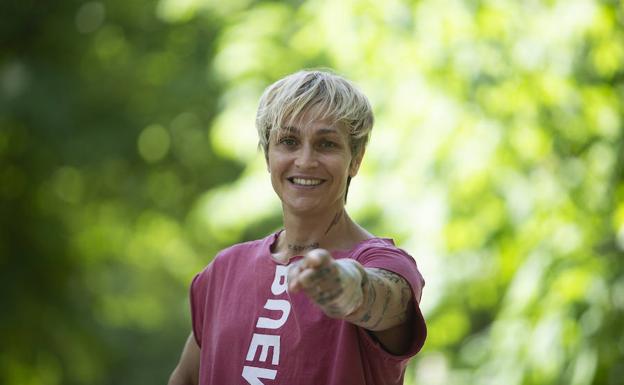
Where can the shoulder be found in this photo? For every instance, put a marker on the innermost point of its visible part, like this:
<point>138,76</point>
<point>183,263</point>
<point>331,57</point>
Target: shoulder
<point>243,252</point>
<point>240,249</point>
<point>379,248</point>
<point>382,253</point>
<point>233,260</point>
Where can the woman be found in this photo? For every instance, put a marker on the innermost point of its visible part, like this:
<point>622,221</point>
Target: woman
<point>322,301</point>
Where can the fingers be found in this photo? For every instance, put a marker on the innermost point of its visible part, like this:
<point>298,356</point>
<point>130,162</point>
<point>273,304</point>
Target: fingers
<point>334,285</point>
<point>312,271</point>
<point>317,258</point>
<point>293,277</point>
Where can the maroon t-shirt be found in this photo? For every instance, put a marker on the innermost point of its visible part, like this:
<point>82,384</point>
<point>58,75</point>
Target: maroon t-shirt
<point>251,330</point>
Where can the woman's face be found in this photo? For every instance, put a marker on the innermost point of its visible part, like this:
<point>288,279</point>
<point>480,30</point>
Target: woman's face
<point>309,164</point>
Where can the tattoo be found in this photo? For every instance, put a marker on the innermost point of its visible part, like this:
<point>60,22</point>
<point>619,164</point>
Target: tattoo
<point>321,274</point>
<point>367,284</point>
<point>406,296</point>
<point>333,293</point>
<point>365,318</point>
<point>334,221</point>
<point>390,276</point>
<point>387,297</point>
<point>395,297</point>
<point>323,271</point>
<point>323,298</point>
<point>299,248</point>
<point>333,311</point>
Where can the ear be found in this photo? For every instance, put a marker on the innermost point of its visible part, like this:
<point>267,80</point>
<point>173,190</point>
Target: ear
<point>355,163</point>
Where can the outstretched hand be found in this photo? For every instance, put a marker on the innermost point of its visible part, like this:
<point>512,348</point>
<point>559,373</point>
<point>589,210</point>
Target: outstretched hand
<point>334,285</point>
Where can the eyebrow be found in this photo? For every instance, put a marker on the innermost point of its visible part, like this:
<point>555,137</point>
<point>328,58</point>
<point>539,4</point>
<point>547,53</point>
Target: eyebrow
<point>328,131</point>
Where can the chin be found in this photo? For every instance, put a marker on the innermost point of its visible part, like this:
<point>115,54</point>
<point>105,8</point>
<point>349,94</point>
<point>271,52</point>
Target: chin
<point>304,207</point>
<point>314,207</point>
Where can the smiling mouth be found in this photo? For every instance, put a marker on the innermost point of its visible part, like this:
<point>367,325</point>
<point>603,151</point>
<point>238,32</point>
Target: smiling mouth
<point>305,181</point>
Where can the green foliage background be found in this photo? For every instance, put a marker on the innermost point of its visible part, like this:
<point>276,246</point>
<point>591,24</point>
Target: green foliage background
<point>128,158</point>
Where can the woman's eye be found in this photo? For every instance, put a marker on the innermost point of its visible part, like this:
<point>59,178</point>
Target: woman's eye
<point>328,144</point>
<point>287,141</point>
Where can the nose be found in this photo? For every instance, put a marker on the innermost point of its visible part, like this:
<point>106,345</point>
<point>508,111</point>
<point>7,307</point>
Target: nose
<point>306,158</point>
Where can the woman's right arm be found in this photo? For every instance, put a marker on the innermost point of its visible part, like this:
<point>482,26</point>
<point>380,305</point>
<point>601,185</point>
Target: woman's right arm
<point>187,371</point>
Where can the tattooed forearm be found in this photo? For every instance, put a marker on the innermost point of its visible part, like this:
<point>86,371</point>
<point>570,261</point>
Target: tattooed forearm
<point>387,300</point>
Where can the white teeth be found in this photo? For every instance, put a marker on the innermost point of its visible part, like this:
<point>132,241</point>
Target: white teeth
<point>306,182</point>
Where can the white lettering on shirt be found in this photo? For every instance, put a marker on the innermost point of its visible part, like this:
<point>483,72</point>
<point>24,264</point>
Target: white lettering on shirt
<point>274,304</point>
<point>253,374</point>
<point>279,282</point>
<point>263,342</point>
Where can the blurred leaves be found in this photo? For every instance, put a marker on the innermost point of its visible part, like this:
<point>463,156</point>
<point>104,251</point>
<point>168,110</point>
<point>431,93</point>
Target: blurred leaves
<point>128,159</point>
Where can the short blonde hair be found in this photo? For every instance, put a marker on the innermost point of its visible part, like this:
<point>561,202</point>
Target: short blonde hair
<point>334,98</point>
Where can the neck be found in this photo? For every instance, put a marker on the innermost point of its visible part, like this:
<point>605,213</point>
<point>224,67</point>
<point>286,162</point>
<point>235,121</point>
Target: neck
<point>307,229</point>
<point>331,230</point>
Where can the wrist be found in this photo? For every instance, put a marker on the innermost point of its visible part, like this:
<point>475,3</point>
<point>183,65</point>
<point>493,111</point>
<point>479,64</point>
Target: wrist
<point>352,276</point>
